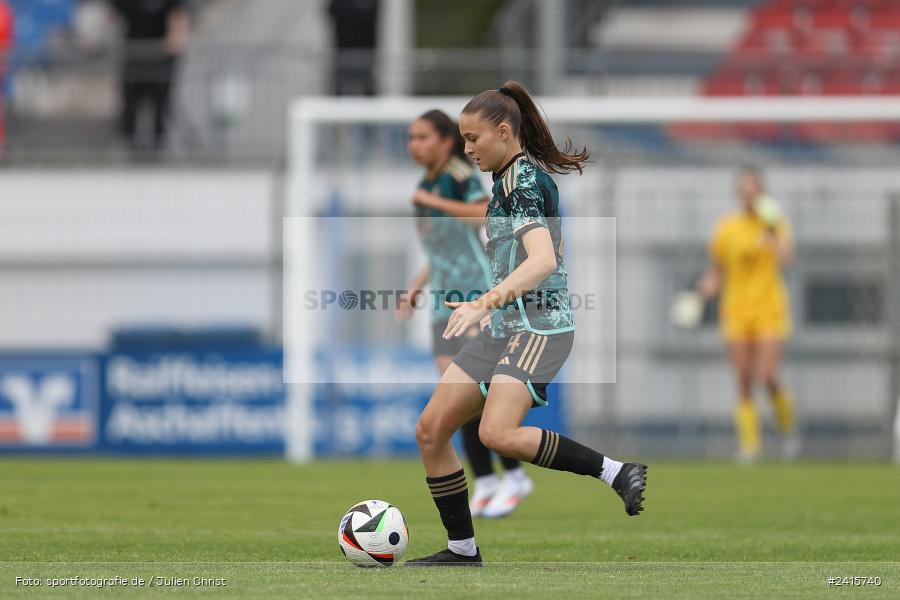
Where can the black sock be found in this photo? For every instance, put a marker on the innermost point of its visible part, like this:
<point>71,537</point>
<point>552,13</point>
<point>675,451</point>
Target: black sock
<point>510,464</point>
<point>562,454</point>
<point>451,496</point>
<point>478,454</point>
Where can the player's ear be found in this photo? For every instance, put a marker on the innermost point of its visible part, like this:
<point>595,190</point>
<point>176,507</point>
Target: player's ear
<point>504,131</point>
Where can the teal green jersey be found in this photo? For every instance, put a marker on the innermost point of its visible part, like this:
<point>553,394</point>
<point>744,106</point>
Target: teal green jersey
<point>458,267</point>
<point>525,197</point>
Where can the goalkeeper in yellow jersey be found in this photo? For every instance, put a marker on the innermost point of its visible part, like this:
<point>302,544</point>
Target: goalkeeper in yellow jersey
<point>748,251</point>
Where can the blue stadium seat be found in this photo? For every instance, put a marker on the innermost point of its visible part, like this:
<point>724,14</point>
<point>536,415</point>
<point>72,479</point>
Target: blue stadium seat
<point>53,12</point>
<point>36,20</point>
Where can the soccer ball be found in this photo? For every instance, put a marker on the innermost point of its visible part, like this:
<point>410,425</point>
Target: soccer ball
<point>373,534</point>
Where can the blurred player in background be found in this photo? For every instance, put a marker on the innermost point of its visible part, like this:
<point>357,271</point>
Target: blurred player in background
<point>157,32</point>
<point>355,37</point>
<point>450,207</point>
<point>748,250</point>
<point>528,328</point>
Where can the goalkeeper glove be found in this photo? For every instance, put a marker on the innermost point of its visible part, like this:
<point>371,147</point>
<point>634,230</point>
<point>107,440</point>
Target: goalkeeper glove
<point>767,210</point>
<point>687,310</point>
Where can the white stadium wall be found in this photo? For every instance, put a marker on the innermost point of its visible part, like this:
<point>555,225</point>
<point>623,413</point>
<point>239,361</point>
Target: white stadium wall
<point>83,251</point>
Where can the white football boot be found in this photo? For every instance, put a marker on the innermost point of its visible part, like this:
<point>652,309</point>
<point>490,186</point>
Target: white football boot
<point>485,489</point>
<point>514,488</point>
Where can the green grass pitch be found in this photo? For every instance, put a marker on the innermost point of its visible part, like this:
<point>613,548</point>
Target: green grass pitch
<point>710,530</point>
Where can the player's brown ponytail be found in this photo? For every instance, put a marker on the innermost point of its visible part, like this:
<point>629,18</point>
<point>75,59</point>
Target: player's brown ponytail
<point>513,104</point>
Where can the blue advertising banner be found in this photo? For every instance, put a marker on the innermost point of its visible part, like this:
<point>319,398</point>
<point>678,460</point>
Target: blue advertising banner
<point>194,402</point>
<point>380,419</point>
<point>363,419</point>
<point>207,403</point>
<point>49,401</point>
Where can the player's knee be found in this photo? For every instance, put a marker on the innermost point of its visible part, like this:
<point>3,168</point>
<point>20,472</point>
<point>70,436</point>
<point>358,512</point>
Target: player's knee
<point>485,434</point>
<point>496,439</point>
<point>424,432</point>
<point>431,433</point>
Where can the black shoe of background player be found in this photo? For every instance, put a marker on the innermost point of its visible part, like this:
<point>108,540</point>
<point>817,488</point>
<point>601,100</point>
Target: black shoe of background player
<point>447,558</point>
<point>630,484</point>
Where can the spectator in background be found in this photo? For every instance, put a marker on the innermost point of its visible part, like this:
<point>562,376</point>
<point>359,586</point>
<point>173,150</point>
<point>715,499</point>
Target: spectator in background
<point>6,40</point>
<point>157,34</point>
<point>355,23</point>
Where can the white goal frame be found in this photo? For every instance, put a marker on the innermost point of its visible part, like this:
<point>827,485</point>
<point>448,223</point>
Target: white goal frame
<point>306,113</point>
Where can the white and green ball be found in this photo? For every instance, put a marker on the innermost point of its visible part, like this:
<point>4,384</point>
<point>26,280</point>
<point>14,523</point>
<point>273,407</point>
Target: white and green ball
<point>373,534</point>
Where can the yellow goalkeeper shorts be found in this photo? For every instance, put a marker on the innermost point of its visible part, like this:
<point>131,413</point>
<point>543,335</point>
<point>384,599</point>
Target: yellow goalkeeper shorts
<point>757,327</point>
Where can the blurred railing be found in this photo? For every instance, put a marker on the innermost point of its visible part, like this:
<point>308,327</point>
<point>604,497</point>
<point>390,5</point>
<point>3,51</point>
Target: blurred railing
<point>229,102</point>
<point>227,105</point>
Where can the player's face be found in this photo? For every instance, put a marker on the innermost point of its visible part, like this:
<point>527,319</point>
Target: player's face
<point>486,144</point>
<point>425,146</point>
<point>749,187</point>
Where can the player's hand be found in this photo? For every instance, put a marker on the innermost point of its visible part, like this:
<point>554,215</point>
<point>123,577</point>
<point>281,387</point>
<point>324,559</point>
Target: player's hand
<point>406,306</point>
<point>421,198</point>
<point>465,315</point>
<point>687,310</point>
<point>767,210</point>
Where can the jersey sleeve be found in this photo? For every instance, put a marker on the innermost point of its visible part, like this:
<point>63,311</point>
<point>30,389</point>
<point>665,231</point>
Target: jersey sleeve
<point>526,210</point>
<point>466,190</point>
<point>449,188</point>
<point>472,189</point>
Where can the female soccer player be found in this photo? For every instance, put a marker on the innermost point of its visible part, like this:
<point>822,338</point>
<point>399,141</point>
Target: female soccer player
<point>747,252</point>
<point>529,328</point>
<point>450,206</point>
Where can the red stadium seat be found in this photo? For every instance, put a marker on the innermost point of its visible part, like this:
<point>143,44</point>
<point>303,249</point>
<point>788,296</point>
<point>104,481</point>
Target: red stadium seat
<point>821,45</point>
<point>700,131</point>
<point>886,19</point>
<point>842,82</point>
<point>755,45</point>
<point>811,47</point>
<point>890,84</point>
<point>773,16</point>
<point>838,19</point>
<point>870,132</point>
